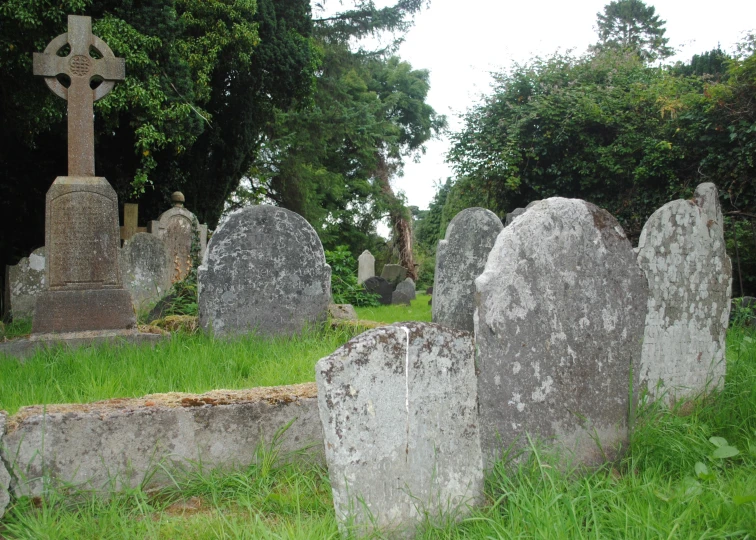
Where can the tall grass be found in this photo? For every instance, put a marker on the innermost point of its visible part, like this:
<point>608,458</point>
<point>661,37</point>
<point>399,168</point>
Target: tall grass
<point>418,310</point>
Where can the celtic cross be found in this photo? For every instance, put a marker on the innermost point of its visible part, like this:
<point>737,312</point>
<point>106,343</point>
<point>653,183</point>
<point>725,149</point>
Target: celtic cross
<point>82,69</point>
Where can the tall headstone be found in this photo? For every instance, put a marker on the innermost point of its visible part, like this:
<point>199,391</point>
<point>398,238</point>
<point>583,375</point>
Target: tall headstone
<point>460,258</point>
<point>394,273</point>
<point>83,288</point>
<point>366,266</point>
<point>146,268</point>
<point>399,412</point>
<point>24,282</point>
<point>558,326</point>
<point>264,271</point>
<point>682,252</point>
<point>176,227</point>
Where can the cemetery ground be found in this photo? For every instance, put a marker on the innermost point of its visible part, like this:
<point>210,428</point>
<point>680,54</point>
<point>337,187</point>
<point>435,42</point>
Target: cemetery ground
<point>689,472</point>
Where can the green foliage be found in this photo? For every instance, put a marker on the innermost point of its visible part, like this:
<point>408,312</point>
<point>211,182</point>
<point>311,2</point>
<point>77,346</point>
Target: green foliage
<point>418,310</point>
<point>344,286</point>
<point>632,26</point>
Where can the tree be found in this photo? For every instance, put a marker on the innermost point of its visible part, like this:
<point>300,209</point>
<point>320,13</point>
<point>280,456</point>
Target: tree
<point>631,25</point>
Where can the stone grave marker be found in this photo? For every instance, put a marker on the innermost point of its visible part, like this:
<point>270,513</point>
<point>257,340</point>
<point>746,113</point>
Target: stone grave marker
<point>460,258</point>
<point>399,413</point>
<point>83,288</point>
<point>559,323</point>
<point>400,298</point>
<point>381,287</point>
<point>394,273</point>
<point>176,228</point>
<point>682,252</point>
<point>404,292</point>
<point>366,266</point>
<point>512,215</point>
<point>264,271</point>
<point>146,268</point>
<point>131,221</point>
<point>4,475</point>
<point>343,312</point>
<point>23,284</point>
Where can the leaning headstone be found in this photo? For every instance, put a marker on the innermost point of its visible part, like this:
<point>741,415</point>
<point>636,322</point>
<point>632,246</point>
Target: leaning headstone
<point>366,266</point>
<point>460,258</point>
<point>4,476</point>
<point>394,273</point>
<point>381,287</point>
<point>399,413</point>
<point>682,252</point>
<point>23,283</point>
<point>146,269</point>
<point>264,271</point>
<point>177,228</point>
<point>558,326</point>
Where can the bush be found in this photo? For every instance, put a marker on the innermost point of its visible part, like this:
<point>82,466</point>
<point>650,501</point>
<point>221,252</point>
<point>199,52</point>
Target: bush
<point>344,286</point>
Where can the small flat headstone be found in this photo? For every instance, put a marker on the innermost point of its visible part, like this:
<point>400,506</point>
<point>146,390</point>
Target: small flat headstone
<point>400,298</point>
<point>399,413</point>
<point>365,266</point>
<point>343,312</point>
<point>394,274</point>
<point>407,287</point>
<point>559,323</point>
<point>460,258</point>
<point>381,287</point>
<point>4,476</point>
<point>146,269</point>
<point>682,252</point>
<point>24,283</point>
<point>264,271</point>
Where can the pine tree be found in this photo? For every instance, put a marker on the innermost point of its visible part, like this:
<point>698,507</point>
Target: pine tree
<point>631,25</point>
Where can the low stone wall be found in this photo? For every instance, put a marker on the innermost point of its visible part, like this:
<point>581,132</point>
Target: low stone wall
<point>110,445</point>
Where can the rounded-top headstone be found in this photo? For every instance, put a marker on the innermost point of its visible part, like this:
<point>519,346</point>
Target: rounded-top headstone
<point>264,270</point>
<point>146,269</point>
<point>365,267</point>
<point>460,258</point>
<point>381,287</point>
<point>559,323</point>
<point>682,251</point>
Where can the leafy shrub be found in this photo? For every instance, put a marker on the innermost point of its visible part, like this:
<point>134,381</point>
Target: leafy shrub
<point>344,286</point>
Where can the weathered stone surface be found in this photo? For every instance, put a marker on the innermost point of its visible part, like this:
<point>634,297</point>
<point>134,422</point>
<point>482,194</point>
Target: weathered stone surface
<point>264,270</point>
<point>682,252</point>
<point>460,258</point>
<point>513,214</point>
<point>145,269</point>
<point>381,287</point>
<point>559,323</point>
<point>25,281</point>
<point>4,476</point>
<point>21,348</point>
<point>407,287</point>
<point>394,273</point>
<point>398,406</point>
<point>399,298</point>
<point>343,312</point>
<point>119,443</point>
<point>176,228</point>
<point>365,266</point>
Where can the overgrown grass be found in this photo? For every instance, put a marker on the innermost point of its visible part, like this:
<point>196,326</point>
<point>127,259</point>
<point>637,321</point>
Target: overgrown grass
<point>419,310</point>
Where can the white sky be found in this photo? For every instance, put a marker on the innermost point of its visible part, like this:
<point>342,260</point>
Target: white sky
<point>462,42</point>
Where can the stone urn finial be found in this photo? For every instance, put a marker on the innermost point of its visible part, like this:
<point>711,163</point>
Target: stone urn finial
<point>177,198</point>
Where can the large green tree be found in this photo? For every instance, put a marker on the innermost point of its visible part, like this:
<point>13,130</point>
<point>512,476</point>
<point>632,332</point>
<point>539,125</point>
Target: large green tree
<point>631,25</point>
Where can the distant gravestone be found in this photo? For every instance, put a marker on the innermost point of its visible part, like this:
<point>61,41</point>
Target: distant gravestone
<point>407,287</point>
<point>513,214</point>
<point>399,412</point>
<point>4,476</point>
<point>343,312</point>
<point>264,271</point>
<point>23,284</point>
<point>394,274</point>
<point>559,324</point>
<point>146,269</point>
<point>365,266</point>
<point>682,252</point>
<point>460,258</point>
<point>400,298</point>
<point>176,227</point>
<point>381,287</point>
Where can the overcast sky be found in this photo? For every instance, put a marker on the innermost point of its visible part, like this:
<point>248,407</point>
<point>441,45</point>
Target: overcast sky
<point>461,43</point>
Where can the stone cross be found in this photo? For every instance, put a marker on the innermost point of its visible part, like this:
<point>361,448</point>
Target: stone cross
<point>83,70</point>
<point>130,221</point>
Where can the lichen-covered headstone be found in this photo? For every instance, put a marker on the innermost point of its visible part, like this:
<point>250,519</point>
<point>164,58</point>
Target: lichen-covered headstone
<point>365,266</point>
<point>398,406</point>
<point>559,323</point>
<point>381,287</point>
<point>394,273</point>
<point>24,282</point>
<point>4,476</point>
<point>146,269</point>
<point>682,252</point>
<point>178,228</point>
<point>264,271</point>
<point>460,258</point>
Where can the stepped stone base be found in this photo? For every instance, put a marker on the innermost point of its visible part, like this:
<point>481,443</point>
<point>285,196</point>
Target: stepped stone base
<point>83,311</point>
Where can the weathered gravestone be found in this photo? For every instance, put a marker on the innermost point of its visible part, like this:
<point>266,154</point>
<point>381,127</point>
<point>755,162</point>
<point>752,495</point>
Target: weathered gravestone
<point>4,476</point>
<point>381,287</point>
<point>366,266</point>
<point>131,221</point>
<point>264,270</point>
<point>400,298</point>
<point>342,312</point>
<point>558,326</point>
<point>23,284</point>
<point>682,252</point>
<point>394,273</point>
<point>176,227</point>
<point>398,406</point>
<point>460,258</point>
<point>146,269</point>
<point>407,287</point>
<point>83,288</point>
<point>512,215</point>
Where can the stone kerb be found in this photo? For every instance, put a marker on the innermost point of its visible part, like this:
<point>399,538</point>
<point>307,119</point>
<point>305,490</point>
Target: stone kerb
<point>118,444</point>
<point>24,283</point>
<point>146,269</point>
<point>264,271</point>
<point>399,413</point>
<point>559,323</point>
<point>682,252</point>
<point>460,258</point>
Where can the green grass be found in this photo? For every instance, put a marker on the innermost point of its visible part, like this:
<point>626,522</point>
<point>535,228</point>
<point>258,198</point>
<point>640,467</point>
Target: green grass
<point>419,310</point>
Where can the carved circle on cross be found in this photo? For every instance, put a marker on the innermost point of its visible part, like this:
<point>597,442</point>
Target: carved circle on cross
<point>79,66</point>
